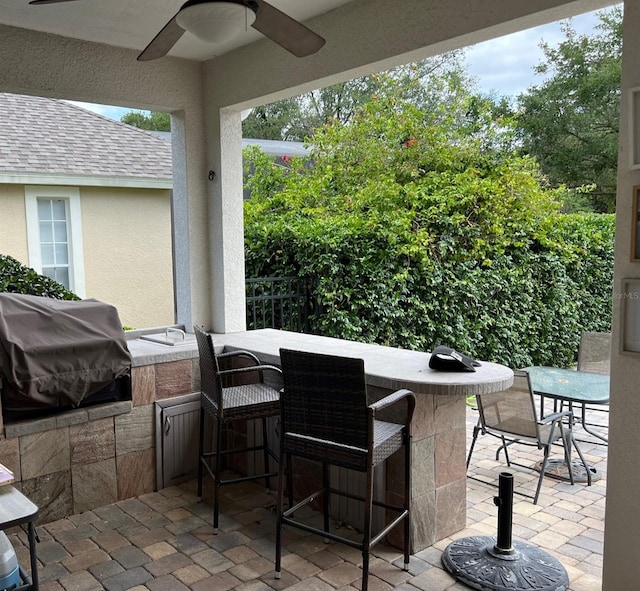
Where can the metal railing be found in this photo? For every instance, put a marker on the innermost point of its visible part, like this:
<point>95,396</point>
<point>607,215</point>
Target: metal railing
<point>279,302</point>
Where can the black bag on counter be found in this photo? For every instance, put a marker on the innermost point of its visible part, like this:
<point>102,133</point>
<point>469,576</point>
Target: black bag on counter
<point>448,359</point>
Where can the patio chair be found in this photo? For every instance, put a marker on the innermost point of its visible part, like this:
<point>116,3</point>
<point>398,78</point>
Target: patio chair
<point>594,356</point>
<point>229,396</point>
<point>594,352</point>
<point>326,419</point>
<point>511,416</point>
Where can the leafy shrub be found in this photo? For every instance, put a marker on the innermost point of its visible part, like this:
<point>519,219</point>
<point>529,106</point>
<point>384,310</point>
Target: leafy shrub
<point>18,278</point>
<point>423,229</point>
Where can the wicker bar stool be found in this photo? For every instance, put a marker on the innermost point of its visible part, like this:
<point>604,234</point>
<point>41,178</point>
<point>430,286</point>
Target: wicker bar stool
<point>325,418</point>
<point>226,403</point>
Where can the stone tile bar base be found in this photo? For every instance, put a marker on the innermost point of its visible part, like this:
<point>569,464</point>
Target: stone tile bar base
<point>94,456</point>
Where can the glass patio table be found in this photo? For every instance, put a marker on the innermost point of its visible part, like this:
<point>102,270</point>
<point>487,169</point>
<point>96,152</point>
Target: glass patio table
<point>570,386</point>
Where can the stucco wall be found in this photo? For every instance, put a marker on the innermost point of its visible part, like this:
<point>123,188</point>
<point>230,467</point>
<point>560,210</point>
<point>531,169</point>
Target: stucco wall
<point>13,225</point>
<point>47,65</point>
<point>127,253</point>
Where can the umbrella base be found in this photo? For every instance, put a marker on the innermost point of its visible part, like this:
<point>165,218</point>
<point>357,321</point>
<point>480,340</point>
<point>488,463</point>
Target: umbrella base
<point>476,562</point>
<point>556,468</point>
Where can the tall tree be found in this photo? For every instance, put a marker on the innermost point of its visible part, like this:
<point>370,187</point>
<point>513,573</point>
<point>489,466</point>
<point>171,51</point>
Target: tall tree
<point>275,121</point>
<point>433,81</point>
<point>570,121</point>
<point>154,121</point>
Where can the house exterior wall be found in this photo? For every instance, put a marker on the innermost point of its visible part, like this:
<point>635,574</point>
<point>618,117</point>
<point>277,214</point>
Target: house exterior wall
<point>126,244</point>
<point>13,231</point>
<point>127,253</point>
<point>90,72</point>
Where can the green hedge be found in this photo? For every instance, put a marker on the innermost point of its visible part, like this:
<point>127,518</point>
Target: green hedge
<point>528,307</point>
<point>18,278</point>
<point>420,230</point>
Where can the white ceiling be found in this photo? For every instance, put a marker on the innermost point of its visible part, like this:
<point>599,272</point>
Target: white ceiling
<point>134,23</point>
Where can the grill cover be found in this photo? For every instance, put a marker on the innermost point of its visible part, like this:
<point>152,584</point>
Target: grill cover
<point>55,352</point>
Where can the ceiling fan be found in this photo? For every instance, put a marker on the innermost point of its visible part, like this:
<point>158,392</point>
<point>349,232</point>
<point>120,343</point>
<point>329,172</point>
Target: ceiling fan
<point>217,21</point>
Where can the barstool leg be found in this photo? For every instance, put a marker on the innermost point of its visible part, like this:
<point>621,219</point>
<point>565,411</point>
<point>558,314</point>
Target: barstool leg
<point>217,472</point>
<point>366,537</point>
<point>407,501</point>
<point>280,510</point>
<point>265,451</point>
<point>200,454</point>
<point>289,479</point>
<point>325,499</point>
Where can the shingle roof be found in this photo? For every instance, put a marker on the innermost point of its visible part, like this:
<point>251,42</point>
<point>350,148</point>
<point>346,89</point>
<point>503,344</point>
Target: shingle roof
<point>50,136</point>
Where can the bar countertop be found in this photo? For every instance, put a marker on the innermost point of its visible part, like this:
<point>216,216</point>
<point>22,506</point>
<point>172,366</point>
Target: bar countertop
<point>386,367</point>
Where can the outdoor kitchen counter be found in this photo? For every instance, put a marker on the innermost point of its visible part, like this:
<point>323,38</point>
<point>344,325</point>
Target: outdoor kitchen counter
<point>439,422</point>
<point>386,367</point>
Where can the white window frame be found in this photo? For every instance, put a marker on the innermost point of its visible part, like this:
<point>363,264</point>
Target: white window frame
<point>74,229</point>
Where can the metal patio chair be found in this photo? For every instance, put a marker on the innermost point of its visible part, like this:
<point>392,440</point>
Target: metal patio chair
<point>229,396</point>
<point>511,416</point>
<point>325,418</point>
<point>594,356</point>
<point>594,352</point>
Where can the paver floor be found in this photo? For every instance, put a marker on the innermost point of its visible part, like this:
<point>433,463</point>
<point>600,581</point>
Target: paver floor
<point>164,541</point>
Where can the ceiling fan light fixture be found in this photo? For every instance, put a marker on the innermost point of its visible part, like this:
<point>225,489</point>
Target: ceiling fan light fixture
<point>215,22</point>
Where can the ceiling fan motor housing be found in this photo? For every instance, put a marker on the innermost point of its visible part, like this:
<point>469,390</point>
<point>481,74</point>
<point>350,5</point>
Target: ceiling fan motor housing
<point>215,21</point>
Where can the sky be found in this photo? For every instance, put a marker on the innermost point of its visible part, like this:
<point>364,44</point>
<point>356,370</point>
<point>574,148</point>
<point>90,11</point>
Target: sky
<point>504,65</point>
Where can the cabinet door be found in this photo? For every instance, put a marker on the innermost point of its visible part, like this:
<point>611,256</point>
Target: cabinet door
<point>178,426</point>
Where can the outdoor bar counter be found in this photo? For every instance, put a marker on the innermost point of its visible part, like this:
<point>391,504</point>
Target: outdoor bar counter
<point>439,424</point>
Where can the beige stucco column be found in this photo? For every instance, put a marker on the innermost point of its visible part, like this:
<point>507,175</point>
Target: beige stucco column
<point>225,289</point>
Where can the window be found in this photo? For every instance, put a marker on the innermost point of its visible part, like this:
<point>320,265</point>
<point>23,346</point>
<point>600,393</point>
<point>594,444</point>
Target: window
<point>54,239</point>
<point>53,227</point>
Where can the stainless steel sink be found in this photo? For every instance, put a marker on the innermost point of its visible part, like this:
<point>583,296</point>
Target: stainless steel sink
<point>171,336</point>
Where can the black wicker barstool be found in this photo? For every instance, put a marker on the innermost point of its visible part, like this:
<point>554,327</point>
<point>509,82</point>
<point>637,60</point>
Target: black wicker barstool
<point>230,395</point>
<point>325,418</point>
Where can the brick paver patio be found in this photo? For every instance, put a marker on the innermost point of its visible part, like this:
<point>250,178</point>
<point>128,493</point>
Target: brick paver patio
<point>164,541</point>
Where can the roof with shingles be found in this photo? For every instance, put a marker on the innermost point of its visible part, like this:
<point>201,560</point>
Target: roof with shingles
<point>50,136</point>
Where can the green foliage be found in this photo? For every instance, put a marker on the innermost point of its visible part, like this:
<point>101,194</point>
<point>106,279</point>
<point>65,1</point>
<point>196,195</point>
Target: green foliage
<point>423,227</point>
<point>154,121</point>
<point>18,278</point>
<point>570,122</point>
<point>428,83</point>
<point>276,121</point>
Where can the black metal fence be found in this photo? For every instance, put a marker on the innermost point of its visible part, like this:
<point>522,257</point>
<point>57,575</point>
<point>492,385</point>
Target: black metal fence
<point>280,302</point>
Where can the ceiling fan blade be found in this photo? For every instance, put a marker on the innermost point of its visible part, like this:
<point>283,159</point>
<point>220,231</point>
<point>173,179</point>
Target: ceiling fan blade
<point>162,43</point>
<point>286,31</point>
<point>271,22</point>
